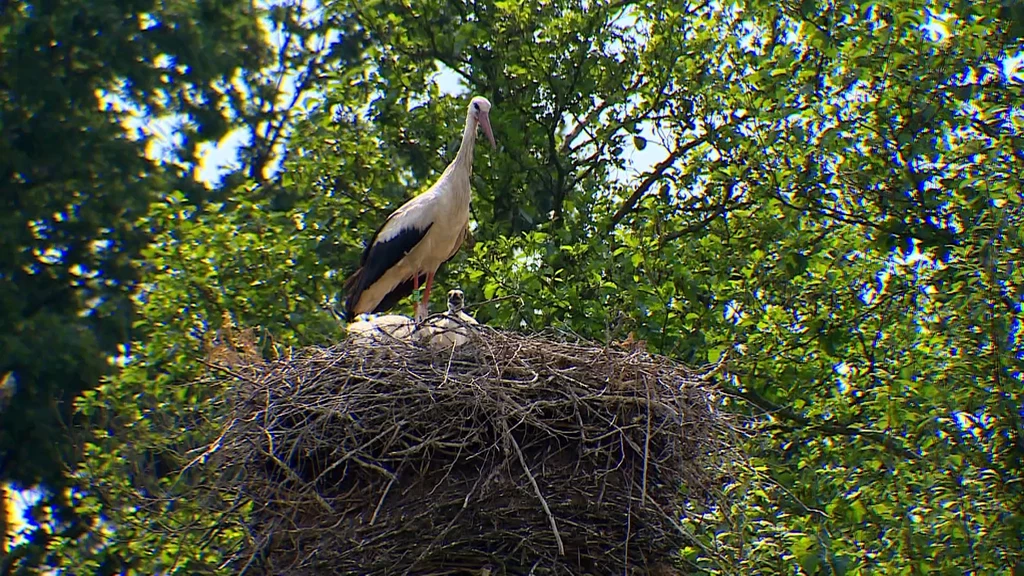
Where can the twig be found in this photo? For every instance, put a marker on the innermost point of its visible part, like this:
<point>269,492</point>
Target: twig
<point>295,477</point>
<point>252,556</point>
<point>657,173</point>
<point>647,448</point>
<point>448,369</point>
<point>536,488</point>
<point>629,530</point>
<point>387,488</point>
<point>226,370</point>
<point>493,300</point>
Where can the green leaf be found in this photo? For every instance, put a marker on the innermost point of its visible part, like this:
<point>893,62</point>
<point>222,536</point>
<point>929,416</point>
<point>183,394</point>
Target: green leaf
<point>715,353</point>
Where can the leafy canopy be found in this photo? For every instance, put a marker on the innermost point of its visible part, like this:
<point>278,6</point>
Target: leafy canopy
<point>75,179</point>
<point>837,206</point>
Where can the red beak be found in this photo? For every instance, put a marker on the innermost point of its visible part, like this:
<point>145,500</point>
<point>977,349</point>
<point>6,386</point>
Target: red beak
<point>485,123</point>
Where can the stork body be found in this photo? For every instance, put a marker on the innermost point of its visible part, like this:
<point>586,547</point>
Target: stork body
<point>424,233</point>
<point>380,328</point>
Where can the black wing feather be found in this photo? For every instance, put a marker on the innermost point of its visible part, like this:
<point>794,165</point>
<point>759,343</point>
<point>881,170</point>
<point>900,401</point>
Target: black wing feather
<point>369,245</point>
<point>395,296</point>
<point>376,260</point>
<point>403,290</point>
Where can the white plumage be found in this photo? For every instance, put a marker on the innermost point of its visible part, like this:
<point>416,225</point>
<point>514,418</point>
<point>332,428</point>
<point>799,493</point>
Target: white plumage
<point>446,330</point>
<point>381,328</point>
<point>421,235</point>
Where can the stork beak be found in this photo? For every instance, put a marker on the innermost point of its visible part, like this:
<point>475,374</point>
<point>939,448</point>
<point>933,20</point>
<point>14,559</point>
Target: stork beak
<point>485,123</point>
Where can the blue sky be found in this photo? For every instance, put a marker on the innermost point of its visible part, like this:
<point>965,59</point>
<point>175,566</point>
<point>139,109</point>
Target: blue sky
<point>216,159</point>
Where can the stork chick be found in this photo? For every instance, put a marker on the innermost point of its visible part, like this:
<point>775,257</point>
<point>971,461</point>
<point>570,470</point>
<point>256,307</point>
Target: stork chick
<point>450,330</point>
<point>378,328</point>
<point>424,233</point>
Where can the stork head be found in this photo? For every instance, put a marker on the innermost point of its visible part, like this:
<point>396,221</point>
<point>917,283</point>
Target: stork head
<point>456,300</point>
<point>480,110</point>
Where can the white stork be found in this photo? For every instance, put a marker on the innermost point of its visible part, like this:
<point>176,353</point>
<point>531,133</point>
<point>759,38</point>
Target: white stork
<point>380,328</point>
<point>451,329</point>
<point>424,233</point>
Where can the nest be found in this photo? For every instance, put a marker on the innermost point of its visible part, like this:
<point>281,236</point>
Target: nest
<point>512,454</point>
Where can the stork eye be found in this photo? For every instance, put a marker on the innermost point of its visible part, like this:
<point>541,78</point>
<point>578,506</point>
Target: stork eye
<point>476,105</point>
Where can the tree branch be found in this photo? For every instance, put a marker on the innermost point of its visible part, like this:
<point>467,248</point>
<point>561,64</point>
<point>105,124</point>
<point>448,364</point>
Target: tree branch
<point>703,222</point>
<point>653,177</point>
<point>582,125</point>
<point>802,422</point>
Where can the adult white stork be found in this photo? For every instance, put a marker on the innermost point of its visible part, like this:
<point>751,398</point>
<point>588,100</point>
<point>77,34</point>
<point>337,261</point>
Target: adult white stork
<point>424,233</point>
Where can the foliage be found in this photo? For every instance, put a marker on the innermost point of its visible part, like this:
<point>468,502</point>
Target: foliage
<point>838,206</point>
<point>75,178</point>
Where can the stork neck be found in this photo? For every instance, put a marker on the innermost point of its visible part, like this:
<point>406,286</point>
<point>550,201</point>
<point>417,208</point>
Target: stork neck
<point>464,158</point>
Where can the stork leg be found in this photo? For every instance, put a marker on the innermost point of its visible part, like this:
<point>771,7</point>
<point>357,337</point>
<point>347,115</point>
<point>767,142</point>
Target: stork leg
<point>421,309</point>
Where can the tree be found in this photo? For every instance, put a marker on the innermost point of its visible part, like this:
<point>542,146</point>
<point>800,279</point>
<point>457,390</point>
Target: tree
<point>838,207</point>
<point>75,179</point>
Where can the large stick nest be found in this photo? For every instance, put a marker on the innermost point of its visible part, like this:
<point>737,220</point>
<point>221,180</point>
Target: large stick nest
<point>515,454</point>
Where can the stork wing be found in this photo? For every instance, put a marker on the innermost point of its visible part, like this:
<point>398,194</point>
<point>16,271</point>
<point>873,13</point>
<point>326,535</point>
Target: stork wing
<point>377,259</point>
<point>373,239</point>
<point>405,288</point>
<point>397,293</point>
